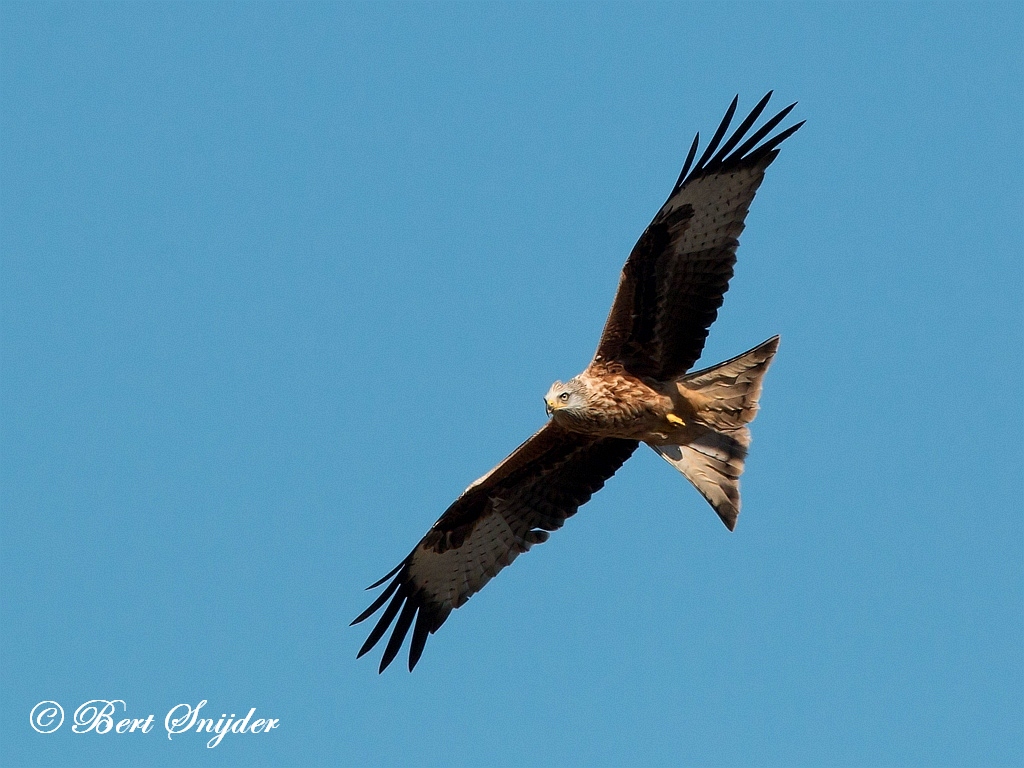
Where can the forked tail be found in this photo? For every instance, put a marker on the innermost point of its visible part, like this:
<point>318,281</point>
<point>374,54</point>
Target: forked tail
<point>728,394</point>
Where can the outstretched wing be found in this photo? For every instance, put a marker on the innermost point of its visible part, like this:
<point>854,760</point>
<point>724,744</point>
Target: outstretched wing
<point>678,272</point>
<point>505,512</point>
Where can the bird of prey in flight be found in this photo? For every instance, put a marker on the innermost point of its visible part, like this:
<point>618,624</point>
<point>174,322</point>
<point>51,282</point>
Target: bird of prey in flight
<point>638,388</point>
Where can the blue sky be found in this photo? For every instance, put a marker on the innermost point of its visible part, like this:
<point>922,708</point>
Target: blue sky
<point>280,280</point>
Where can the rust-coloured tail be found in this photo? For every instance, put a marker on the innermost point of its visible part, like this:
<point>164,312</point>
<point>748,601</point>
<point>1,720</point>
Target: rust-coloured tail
<point>714,460</point>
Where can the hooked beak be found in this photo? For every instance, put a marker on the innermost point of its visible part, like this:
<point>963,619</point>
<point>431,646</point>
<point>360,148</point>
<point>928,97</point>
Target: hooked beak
<point>549,407</point>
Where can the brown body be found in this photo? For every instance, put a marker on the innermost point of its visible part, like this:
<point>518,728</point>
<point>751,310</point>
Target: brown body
<point>697,422</point>
<point>626,406</point>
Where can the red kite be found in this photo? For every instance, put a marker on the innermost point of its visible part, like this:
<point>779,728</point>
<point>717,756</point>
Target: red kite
<point>635,390</point>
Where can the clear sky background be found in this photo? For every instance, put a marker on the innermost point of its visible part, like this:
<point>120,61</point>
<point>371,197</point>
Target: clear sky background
<point>280,280</point>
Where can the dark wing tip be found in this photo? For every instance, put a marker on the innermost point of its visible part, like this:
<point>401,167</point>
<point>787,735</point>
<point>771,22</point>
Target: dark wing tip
<point>768,146</point>
<point>381,627</point>
<point>419,638</point>
<point>719,134</point>
<point>686,166</point>
<point>398,635</point>
<point>731,156</point>
<point>386,576</point>
<point>407,603</point>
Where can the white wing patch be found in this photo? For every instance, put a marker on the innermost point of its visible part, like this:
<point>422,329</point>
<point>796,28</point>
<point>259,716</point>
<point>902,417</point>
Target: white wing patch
<point>451,577</point>
<point>720,203</point>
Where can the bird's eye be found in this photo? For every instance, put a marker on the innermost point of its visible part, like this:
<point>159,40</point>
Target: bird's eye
<point>564,397</point>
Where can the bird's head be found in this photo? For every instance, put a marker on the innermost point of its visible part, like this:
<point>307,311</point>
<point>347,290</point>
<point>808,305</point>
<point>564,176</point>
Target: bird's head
<point>568,397</point>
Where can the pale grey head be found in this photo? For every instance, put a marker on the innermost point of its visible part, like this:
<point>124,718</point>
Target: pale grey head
<point>569,397</point>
